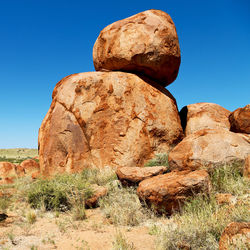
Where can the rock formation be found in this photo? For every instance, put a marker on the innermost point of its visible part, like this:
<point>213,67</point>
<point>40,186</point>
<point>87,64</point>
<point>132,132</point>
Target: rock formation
<point>195,117</point>
<point>8,172</point>
<point>146,43</point>
<point>208,147</point>
<point>106,118</point>
<point>240,120</point>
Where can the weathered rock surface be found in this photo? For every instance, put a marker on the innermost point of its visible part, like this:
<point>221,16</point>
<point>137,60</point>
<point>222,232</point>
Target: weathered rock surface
<point>198,116</point>
<point>133,175</point>
<point>146,43</point>
<point>167,192</point>
<point>99,192</point>
<point>30,167</point>
<point>240,120</point>
<point>233,233</point>
<point>106,118</point>
<point>207,148</point>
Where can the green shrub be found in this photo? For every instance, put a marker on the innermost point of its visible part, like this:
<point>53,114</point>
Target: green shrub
<point>159,160</point>
<point>227,178</point>
<point>58,193</point>
<point>67,191</point>
<point>122,207</point>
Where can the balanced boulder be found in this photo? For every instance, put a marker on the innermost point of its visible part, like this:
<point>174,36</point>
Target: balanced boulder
<point>167,192</point>
<point>106,118</point>
<point>195,117</point>
<point>145,44</point>
<point>133,175</point>
<point>240,120</point>
<point>208,147</point>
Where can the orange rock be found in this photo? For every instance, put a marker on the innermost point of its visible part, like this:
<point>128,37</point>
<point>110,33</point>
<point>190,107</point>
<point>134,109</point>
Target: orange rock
<point>198,116</point>
<point>169,191</point>
<point>106,118</point>
<point>240,120</point>
<point>246,170</point>
<point>30,167</point>
<point>7,172</point>
<point>207,148</point>
<point>133,175</point>
<point>99,192</point>
<point>235,232</point>
<point>146,43</point>
<point>225,199</point>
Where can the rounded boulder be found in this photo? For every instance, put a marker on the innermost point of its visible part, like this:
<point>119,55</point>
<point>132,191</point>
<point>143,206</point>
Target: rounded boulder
<point>146,44</point>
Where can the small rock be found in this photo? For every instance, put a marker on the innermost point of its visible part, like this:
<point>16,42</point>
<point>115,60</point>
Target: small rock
<point>225,199</point>
<point>235,232</point>
<point>99,192</point>
<point>133,175</point>
<point>168,192</point>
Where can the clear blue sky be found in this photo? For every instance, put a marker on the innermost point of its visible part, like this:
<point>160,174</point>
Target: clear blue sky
<point>41,41</point>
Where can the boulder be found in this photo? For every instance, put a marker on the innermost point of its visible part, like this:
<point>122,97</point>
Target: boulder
<point>167,192</point>
<point>235,236</point>
<point>99,192</point>
<point>7,172</point>
<point>30,167</point>
<point>146,43</point>
<point>207,148</point>
<point>133,175</point>
<point>240,120</point>
<point>106,119</point>
<point>198,116</point>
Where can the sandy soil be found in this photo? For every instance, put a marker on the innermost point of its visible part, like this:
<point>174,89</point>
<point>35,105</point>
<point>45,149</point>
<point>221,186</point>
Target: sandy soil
<point>52,232</point>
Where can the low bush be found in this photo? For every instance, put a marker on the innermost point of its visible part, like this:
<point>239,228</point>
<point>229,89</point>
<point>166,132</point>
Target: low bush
<point>58,193</point>
<point>67,191</point>
<point>227,178</point>
<point>122,207</point>
<point>159,160</point>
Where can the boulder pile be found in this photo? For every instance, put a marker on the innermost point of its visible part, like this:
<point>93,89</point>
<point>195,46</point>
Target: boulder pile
<point>10,171</point>
<point>120,115</point>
